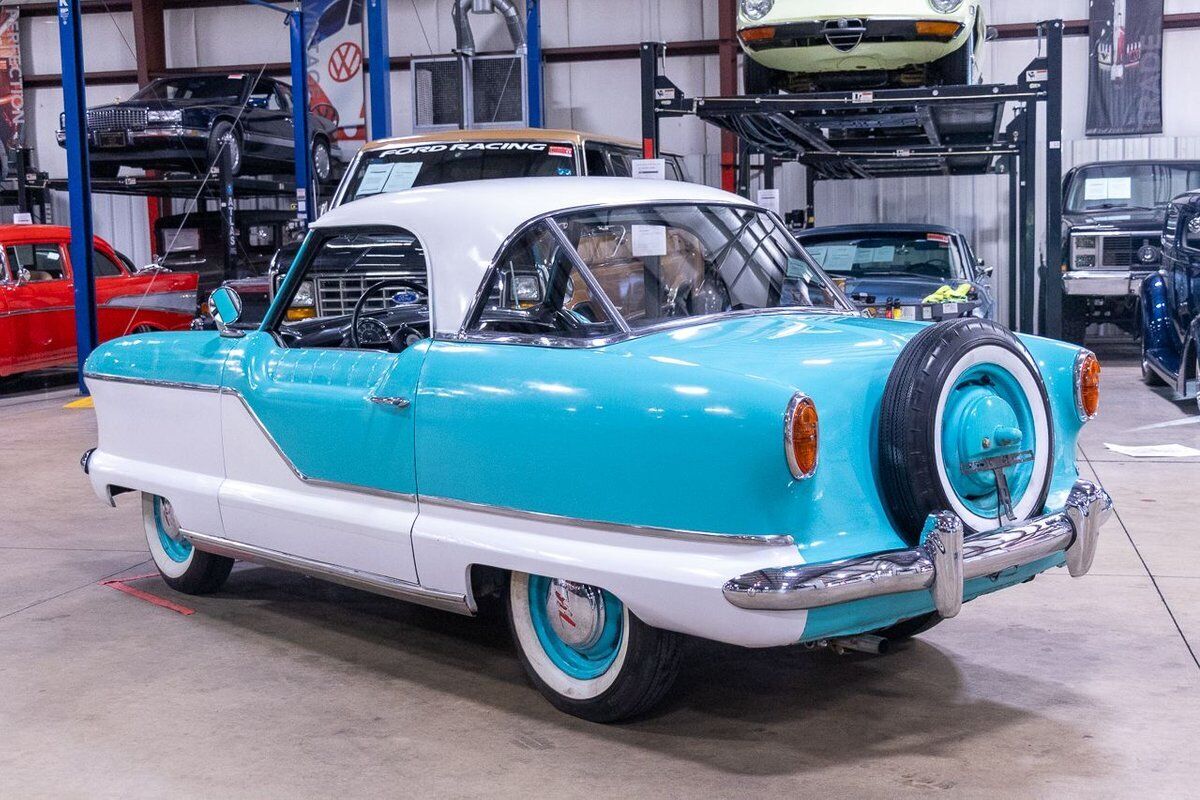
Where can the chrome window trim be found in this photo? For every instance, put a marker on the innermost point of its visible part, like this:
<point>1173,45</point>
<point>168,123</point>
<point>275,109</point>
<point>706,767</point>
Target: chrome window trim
<point>476,307</point>
<point>588,278</point>
<point>709,537</point>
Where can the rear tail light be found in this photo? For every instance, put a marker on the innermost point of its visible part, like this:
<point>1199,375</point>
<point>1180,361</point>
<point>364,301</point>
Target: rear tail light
<point>1087,385</point>
<point>802,436</point>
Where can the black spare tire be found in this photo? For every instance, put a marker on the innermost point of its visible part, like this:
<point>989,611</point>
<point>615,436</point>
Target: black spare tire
<point>965,426</point>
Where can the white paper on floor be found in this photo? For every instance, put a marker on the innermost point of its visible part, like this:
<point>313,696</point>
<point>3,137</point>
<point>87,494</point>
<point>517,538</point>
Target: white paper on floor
<point>1154,450</point>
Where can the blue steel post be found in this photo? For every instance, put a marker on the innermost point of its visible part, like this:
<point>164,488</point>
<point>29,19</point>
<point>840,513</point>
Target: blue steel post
<point>79,185</point>
<point>533,60</point>
<point>304,187</point>
<point>379,68</point>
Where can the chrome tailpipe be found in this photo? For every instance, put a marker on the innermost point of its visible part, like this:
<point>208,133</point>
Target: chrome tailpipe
<point>866,643</point>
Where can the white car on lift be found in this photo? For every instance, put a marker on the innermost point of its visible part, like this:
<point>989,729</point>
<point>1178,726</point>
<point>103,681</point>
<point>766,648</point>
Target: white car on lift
<point>805,45</point>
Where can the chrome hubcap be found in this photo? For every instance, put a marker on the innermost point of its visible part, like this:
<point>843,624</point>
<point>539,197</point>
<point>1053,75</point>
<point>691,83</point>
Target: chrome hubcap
<point>170,524</point>
<point>576,613</point>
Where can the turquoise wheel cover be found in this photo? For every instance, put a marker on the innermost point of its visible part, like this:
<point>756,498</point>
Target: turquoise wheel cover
<point>584,664</point>
<point>178,550</point>
<point>987,414</point>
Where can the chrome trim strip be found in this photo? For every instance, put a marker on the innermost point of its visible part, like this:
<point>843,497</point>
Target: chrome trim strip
<point>942,563</point>
<point>162,384</point>
<point>355,579</point>
<point>21,312</point>
<point>766,540</point>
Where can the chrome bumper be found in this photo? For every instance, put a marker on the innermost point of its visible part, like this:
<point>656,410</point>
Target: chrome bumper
<point>942,563</point>
<point>1102,283</point>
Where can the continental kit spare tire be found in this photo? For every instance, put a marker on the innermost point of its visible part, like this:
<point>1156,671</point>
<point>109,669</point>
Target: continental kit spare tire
<point>965,426</point>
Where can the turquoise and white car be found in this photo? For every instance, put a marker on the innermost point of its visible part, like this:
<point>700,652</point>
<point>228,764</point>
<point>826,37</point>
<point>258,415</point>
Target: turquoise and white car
<point>800,45</point>
<point>627,410</point>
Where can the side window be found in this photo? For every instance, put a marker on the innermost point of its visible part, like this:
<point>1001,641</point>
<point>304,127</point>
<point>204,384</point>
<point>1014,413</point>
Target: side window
<point>42,262</point>
<point>360,290</point>
<point>263,95</point>
<point>675,169</point>
<point>283,98</point>
<point>622,167</point>
<point>537,291</point>
<point>594,159</point>
<point>105,267</point>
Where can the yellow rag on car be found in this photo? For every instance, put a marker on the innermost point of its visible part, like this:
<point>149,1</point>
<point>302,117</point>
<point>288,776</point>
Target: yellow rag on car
<point>947,294</point>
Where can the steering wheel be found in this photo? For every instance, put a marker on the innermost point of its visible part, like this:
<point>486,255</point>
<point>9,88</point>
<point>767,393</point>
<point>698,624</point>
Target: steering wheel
<point>370,290</point>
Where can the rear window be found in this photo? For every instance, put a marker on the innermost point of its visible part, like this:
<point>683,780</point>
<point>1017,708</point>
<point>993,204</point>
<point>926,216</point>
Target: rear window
<point>930,254</point>
<point>400,168</point>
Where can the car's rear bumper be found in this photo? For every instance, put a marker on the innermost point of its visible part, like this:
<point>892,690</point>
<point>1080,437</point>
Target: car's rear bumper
<point>1102,283</point>
<point>941,564</point>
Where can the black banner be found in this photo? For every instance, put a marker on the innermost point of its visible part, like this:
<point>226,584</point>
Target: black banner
<point>1125,69</point>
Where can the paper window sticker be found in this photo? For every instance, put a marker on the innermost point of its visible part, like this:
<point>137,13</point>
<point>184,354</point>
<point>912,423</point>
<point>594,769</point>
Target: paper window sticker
<point>374,179</point>
<point>649,240</point>
<point>1120,188</point>
<point>1095,189</point>
<point>403,176</point>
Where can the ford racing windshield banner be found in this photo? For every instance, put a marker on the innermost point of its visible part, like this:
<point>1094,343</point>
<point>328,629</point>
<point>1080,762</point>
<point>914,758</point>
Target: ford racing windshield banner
<point>1125,69</point>
<point>334,32</point>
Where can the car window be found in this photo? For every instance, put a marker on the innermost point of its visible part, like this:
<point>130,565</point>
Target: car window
<point>930,254</point>
<point>674,169</point>
<point>619,158</point>
<point>283,97</point>
<point>264,97</point>
<point>536,291</point>
<point>42,262</point>
<point>597,164</point>
<point>658,263</point>
<point>376,280</point>
<point>103,266</point>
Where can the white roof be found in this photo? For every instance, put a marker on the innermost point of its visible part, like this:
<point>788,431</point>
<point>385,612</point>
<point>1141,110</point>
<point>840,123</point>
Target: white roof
<point>462,225</point>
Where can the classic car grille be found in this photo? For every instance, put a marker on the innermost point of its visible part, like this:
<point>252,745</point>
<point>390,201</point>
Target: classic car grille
<point>1120,252</point>
<point>844,34</point>
<point>336,296</point>
<point>116,119</point>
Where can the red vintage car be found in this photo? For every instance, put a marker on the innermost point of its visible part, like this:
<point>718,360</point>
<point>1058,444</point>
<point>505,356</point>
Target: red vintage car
<point>37,297</point>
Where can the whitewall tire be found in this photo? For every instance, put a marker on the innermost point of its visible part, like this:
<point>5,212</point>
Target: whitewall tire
<point>585,651</point>
<point>182,566</point>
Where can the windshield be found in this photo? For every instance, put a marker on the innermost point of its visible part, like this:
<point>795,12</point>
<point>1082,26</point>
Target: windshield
<point>385,171</point>
<point>662,262</point>
<point>930,255</point>
<point>206,87</point>
<point>1144,186</point>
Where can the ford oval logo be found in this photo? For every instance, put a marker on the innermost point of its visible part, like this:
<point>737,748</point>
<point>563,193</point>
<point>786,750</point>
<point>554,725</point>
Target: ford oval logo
<point>405,298</point>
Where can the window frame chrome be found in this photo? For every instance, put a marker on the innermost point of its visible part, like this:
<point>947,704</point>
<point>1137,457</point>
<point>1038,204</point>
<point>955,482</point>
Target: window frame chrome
<point>475,310</point>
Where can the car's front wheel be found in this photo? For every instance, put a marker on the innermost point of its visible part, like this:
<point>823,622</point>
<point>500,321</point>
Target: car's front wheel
<point>224,139</point>
<point>586,652</point>
<point>183,567</point>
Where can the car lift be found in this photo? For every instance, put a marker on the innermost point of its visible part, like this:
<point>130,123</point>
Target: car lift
<point>945,130</point>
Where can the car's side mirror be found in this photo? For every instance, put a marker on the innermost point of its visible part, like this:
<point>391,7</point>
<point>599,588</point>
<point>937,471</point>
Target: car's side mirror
<point>985,270</point>
<point>225,307</point>
<point>991,34</point>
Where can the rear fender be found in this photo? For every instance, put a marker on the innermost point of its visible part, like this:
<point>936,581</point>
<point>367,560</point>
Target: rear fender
<point>1158,334</point>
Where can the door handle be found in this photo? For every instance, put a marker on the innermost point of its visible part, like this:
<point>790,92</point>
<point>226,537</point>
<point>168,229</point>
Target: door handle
<point>394,402</point>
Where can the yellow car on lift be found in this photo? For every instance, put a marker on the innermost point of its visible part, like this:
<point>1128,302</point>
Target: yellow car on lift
<point>829,45</point>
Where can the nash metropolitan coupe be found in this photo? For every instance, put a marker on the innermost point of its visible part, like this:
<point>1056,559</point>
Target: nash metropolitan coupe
<point>801,45</point>
<point>630,410</point>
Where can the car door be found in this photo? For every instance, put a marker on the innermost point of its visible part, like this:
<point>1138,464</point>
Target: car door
<point>317,433</point>
<point>40,305</point>
<point>114,313</point>
<point>1184,270</point>
<point>271,122</point>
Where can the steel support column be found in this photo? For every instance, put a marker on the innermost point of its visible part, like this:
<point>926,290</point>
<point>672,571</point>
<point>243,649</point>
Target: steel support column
<point>79,186</point>
<point>305,197</point>
<point>533,61</point>
<point>1052,289</point>
<point>379,72</point>
<point>727,60</point>
<point>651,52</point>
<point>1028,220</point>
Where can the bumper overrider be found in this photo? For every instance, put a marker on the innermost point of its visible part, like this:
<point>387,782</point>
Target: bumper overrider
<point>941,563</point>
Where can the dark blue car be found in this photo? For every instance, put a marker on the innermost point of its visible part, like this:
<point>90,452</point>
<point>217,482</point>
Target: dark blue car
<point>1170,302</point>
<point>895,270</point>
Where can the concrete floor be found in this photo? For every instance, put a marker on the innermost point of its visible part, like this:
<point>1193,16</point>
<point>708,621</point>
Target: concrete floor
<point>282,686</point>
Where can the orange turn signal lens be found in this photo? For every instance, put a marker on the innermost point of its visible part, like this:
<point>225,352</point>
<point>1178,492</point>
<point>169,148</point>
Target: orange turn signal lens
<point>760,34</point>
<point>802,436</point>
<point>296,313</point>
<point>1087,385</point>
<point>937,29</point>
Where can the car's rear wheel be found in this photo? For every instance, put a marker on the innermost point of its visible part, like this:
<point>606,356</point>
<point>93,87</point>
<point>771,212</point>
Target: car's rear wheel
<point>965,426</point>
<point>183,567</point>
<point>224,139</point>
<point>586,652</point>
<point>322,162</point>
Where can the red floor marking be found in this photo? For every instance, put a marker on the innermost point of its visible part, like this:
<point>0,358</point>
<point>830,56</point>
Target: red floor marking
<point>122,585</point>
